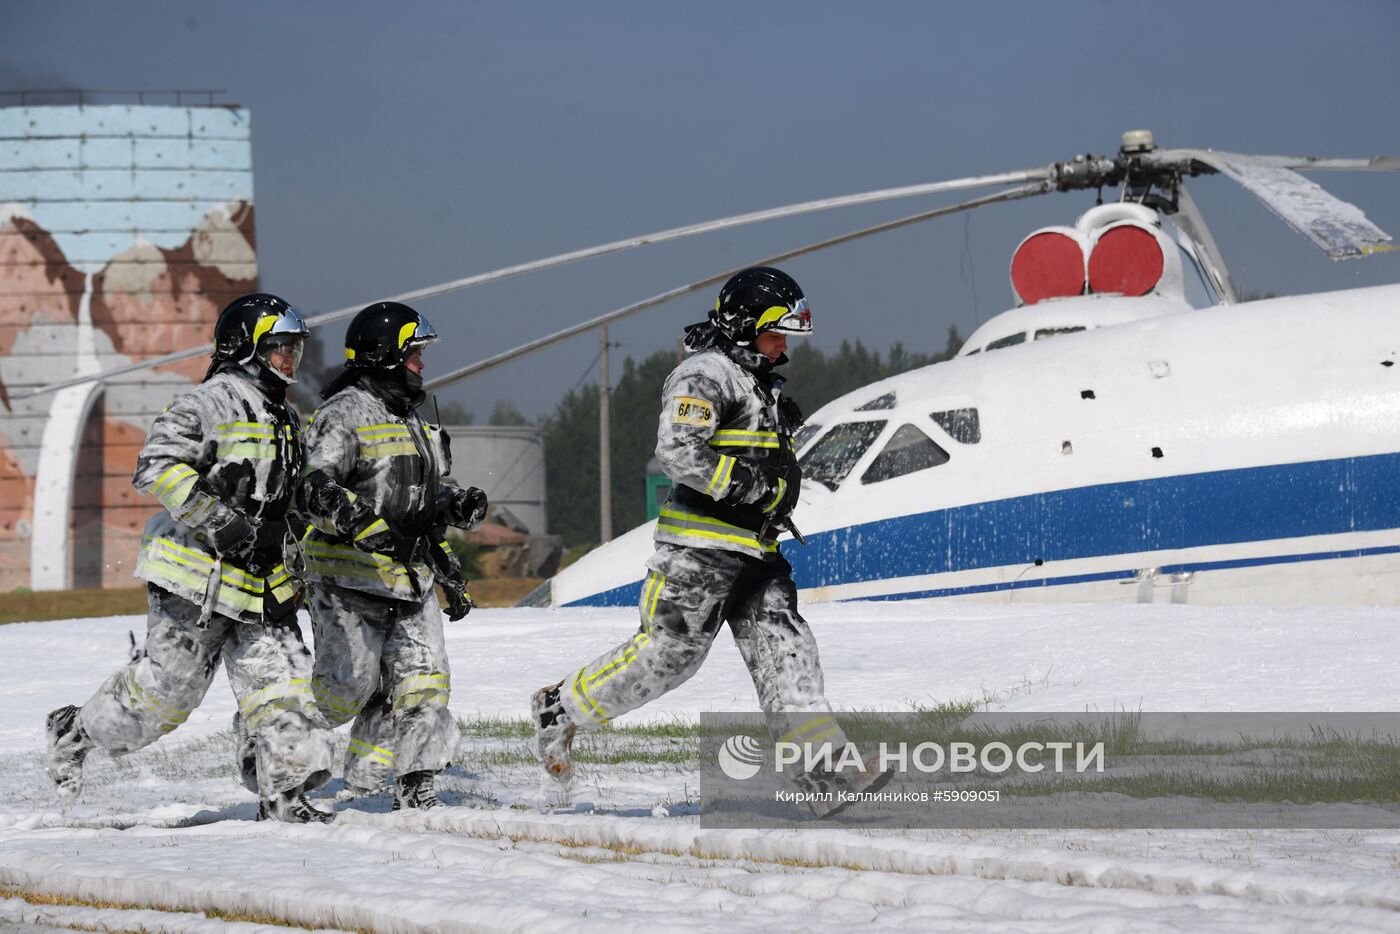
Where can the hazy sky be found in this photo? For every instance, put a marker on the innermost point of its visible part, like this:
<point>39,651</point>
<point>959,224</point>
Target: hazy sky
<point>399,145</point>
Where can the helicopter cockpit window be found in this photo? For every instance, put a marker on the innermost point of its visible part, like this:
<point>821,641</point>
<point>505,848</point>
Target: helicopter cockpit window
<point>1010,340</point>
<point>1043,333</point>
<point>962,425</point>
<point>833,456</point>
<point>804,434</point>
<point>879,402</point>
<point>908,450</point>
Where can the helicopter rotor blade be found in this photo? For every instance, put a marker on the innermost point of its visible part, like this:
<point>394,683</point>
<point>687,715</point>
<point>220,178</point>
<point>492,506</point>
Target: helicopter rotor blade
<point>1328,164</point>
<point>1339,228</point>
<point>481,366</point>
<point>662,236</point>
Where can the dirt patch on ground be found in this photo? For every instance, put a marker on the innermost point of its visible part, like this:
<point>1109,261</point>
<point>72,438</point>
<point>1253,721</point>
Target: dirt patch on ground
<point>502,591</point>
<point>72,604</point>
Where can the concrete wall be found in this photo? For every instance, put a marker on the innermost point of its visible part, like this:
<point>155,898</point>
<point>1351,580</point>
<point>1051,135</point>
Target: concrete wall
<point>507,461</point>
<point>123,231</point>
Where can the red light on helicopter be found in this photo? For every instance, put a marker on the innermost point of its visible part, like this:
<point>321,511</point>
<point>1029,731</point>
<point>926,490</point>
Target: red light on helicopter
<point>1048,264</point>
<point>1126,259</point>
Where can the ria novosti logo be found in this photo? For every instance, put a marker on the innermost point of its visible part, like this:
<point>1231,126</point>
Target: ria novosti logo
<point>740,758</point>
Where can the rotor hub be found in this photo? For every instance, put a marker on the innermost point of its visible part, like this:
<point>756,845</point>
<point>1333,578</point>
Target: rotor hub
<point>1137,141</point>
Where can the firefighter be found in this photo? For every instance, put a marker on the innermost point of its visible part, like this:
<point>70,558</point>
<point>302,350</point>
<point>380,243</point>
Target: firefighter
<point>376,491</point>
<point>223,460</point>
<point>725,440</point>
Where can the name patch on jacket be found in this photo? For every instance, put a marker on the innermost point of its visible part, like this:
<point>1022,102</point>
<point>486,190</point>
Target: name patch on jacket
<point>692,411</point>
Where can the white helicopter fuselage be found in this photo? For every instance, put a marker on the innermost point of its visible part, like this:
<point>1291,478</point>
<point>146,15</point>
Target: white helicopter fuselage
<point>1245,453</point>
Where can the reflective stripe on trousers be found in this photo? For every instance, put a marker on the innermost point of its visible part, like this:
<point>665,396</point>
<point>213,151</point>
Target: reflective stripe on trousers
<point>287,695</point>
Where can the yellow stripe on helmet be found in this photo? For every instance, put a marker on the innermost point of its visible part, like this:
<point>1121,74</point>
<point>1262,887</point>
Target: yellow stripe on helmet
<point>406,332</point>
<point>264,325</point>
<point>771,316</point>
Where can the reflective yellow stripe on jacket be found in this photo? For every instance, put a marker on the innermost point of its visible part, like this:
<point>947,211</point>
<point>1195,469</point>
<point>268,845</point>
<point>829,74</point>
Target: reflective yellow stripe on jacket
<point>374,528</point>
<point>344,561</point>
<point>387,440</point>
<point>736,438</point>
<point>679,526</point>
<point>249,440</point>
<point>165,561</point>
<point>777,497</point>
<point>174,486</point>
<point>719,480</point>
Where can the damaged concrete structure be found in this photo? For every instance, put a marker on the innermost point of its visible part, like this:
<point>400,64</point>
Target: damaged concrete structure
<point>123,231</point>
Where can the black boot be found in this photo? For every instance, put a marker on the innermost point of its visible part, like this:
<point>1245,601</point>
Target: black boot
<point>415,790</point>
<point>68,747</point>
<point>291,807</point>
<point>870,777</point>
<point>245,754</point>
<point>554,734</point>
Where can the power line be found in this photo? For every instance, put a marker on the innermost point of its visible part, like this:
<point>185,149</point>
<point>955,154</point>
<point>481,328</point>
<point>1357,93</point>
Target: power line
<point>662,236</point>
<point>481,366</point>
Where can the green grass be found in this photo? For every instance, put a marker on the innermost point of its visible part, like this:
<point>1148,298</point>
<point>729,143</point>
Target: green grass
<point>1320,769</point>
<point>1323,767</point>
<point>510,742</point>
<point>520,728</point>
<point>23,605</point>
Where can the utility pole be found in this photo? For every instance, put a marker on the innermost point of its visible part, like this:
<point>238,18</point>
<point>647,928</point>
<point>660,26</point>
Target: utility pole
<point>605,530</point>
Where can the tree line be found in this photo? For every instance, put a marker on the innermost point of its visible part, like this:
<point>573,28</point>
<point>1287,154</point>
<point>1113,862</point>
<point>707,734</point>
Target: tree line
<point>571,431</point>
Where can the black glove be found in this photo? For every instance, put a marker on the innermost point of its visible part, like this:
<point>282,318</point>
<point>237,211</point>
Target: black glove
<point>789,415</point>
<point>282,615</point>
<point>782,501</point>
<point>751,483</point>
<point>459,602</point>
<point>379,538</point>
<point>468,508</point>
<point>236,538</point>
<point>452,579</point>
<point>323,497</point>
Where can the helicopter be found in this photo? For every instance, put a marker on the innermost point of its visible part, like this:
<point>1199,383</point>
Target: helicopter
<point>1105,440</point>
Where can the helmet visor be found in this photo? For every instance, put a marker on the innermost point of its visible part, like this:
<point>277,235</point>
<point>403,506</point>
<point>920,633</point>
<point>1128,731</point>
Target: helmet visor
<point>281,353</point>
<point>794,320</point>
<point>288,322</point>
<point>415,335</point>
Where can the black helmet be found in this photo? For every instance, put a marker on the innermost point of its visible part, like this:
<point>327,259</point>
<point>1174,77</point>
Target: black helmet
<point>384,334</point>
<point>760,299</point>
<point>253,325</point>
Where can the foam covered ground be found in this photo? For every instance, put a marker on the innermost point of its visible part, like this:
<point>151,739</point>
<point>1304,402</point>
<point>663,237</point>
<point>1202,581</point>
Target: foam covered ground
<point>164,839</point>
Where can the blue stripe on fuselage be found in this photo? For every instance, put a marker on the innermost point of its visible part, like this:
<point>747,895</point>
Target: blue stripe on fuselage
<point>1282,501</point>
<point>1131,574</point>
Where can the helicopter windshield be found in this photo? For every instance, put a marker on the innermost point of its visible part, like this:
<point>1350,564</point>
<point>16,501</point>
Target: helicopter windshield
<point>908,451</point>
<point>831,458</point>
